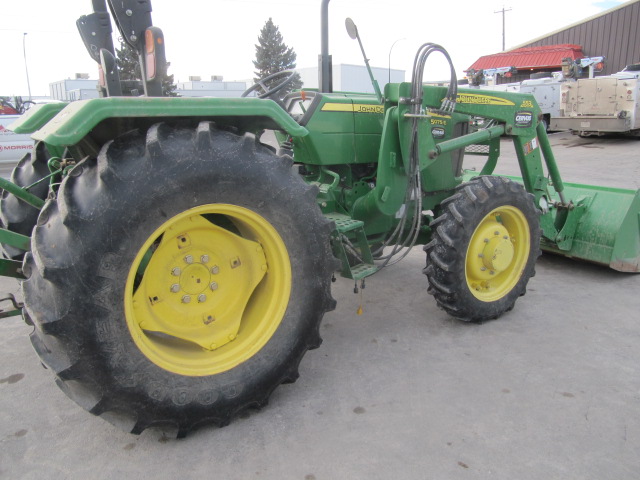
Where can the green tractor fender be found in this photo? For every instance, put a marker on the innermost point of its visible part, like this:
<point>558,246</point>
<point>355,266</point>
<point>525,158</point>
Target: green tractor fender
<point>37,117</point>
<point>78,119</point>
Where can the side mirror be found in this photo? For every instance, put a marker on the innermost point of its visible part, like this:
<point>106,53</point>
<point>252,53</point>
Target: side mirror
<point>352,30</point>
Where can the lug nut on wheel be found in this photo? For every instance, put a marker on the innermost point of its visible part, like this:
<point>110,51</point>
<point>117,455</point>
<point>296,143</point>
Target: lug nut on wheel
<point>175,288</point>
<point>186,299</point>
<point>188,259</point>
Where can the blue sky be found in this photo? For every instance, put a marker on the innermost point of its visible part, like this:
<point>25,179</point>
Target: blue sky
<point>607,4</point>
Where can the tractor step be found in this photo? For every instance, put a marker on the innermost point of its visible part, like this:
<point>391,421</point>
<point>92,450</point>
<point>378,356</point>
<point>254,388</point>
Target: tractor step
<point>345,223</point>
<point>351,247</point>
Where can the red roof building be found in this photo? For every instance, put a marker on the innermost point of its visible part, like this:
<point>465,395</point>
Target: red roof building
<point>613,34</point>
<point>530,58</point>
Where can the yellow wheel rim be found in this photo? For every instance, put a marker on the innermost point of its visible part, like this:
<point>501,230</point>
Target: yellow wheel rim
<point>207,290</point>
<point>497,254</point>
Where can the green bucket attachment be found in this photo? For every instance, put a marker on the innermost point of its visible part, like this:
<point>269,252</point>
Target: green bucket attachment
<point>601,226</point>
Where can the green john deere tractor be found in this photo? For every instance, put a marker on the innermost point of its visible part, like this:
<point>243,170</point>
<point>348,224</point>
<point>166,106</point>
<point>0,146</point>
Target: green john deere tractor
<point>176,269</point>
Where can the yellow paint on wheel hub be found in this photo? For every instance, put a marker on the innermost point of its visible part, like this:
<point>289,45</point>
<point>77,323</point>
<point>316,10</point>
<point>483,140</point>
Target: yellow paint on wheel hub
<point>195,279</point>
<point>497,254</point>
<point>214,289</point>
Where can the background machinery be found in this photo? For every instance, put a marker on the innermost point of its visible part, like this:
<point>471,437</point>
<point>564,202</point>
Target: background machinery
<point>602,105</point>
<point>544,86</point>
<point>176,269</point>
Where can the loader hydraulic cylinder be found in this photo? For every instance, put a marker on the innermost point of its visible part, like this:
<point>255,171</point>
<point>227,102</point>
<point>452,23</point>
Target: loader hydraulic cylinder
<point>550,161</point>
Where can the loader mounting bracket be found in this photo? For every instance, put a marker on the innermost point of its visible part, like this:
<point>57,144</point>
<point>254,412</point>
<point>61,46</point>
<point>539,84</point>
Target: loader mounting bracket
<point>17,306</point>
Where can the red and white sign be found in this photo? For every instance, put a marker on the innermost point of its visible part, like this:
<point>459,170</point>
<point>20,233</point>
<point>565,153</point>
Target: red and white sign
<point>13,146</point>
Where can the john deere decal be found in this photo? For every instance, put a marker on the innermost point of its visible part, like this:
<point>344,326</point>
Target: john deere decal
<point>352,107</point>
<point>475,99</point>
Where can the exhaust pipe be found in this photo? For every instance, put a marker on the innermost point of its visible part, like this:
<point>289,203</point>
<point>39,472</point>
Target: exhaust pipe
<point>325,79</point>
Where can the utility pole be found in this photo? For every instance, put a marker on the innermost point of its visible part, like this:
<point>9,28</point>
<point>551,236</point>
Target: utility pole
<point>503,11</point>
<point>24,52</point>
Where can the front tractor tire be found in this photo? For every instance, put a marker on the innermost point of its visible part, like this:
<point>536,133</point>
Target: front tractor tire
<point>484,247</point>
<point>19,216</point>
<point>179,278</point>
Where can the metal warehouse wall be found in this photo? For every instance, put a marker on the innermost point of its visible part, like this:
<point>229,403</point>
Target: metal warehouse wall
<point>616,35</point>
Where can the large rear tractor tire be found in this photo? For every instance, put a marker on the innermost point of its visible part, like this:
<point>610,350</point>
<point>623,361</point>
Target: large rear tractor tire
<point>484,248</point>
<point>179,278</point>
<point>16,215</point>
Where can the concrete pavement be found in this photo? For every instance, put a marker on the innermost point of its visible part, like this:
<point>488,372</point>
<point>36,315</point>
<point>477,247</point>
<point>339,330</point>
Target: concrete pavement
<point>550,390</point>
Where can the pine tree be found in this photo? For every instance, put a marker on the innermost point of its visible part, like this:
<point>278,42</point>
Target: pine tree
<point>272,56</point>
<point>168,85</point>
<point>130,76</point>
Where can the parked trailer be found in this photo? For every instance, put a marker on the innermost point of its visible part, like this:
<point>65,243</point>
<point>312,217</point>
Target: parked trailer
<point>601,105</point>
<point>546,91</point>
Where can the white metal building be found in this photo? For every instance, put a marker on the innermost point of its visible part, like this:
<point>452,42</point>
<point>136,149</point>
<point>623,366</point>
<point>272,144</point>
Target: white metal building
<point>73,89</point>
<point>346,78</point>
<point>213,88</point>
<point>70,90</point>
<point>352,78</point>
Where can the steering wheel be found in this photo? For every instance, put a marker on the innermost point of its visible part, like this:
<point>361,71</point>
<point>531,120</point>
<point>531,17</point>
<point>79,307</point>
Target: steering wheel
<point>266,91</point>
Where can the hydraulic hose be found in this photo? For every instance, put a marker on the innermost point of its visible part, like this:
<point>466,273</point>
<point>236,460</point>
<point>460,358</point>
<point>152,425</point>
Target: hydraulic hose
<point>414,187</point>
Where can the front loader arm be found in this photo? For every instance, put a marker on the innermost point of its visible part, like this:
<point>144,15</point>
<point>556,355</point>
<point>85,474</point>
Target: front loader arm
<point>597,224</point>
<point>518,116</point>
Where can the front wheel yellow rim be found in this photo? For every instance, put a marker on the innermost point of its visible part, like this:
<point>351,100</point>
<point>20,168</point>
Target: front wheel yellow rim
<point>498,253</point>
<point>208,289</point>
